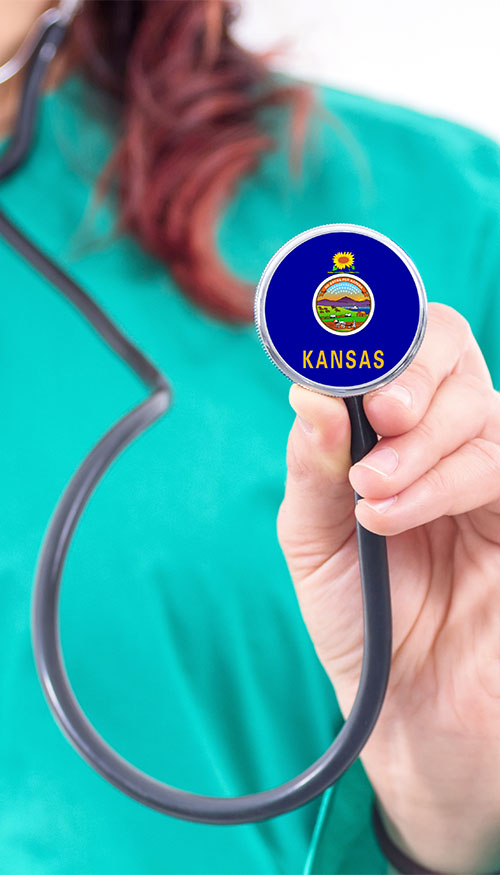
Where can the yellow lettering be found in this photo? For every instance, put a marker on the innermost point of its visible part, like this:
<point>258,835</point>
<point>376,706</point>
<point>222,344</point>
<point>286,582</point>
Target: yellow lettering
<point>338,360</point>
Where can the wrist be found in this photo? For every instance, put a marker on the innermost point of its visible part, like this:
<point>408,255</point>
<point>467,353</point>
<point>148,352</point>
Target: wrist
<point>433,844</point>
<point>438,793</point>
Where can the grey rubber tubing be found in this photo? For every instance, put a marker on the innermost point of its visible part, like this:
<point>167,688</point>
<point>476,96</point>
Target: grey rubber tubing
<point>45,610</point>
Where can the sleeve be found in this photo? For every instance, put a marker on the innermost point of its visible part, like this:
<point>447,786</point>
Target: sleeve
<point>486,321</point>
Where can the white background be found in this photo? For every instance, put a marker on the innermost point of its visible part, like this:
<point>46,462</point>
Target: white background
<point>438,56</point>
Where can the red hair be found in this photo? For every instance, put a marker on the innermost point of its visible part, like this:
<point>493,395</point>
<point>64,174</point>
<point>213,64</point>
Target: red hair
<point>189,100</point>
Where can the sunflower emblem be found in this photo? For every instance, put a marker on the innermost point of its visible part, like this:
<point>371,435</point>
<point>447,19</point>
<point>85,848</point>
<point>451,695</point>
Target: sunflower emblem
<point>343,261</point>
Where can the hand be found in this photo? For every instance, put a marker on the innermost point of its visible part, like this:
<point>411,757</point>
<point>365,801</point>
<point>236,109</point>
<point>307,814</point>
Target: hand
<point>432,485</point>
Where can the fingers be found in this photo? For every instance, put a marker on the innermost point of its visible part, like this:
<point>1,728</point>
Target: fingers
<point>457,414</point>
<point>316,515</point>
<point>440,427</point>
<point>467,479</point>
<point>448,347</point>
<point>440,431</point>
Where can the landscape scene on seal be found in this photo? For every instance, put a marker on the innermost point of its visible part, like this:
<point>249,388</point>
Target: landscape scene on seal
<point>343,305</point>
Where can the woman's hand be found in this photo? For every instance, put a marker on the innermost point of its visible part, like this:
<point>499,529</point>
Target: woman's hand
<point>432,485</point>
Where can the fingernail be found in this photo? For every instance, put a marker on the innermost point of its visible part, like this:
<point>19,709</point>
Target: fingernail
<point>381,506</point>
<point>384,461</point>
<point>399,393</point>
<point>307,426</point>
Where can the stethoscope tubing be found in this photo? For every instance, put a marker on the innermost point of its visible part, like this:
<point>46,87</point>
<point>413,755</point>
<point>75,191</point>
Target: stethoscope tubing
<point>372,552</point>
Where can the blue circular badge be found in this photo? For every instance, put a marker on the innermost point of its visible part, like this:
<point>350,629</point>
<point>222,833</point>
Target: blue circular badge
<point>341,309</point>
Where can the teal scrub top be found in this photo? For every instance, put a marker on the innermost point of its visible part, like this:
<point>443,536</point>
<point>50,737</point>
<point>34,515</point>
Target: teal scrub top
<point>181,631</point>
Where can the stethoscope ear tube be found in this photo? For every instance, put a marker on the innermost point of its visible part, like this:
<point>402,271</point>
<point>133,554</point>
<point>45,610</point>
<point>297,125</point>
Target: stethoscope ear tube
<point>22,137</point>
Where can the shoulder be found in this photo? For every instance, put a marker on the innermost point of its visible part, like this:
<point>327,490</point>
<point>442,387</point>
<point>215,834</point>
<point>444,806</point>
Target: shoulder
<point>434,187</point>
<point>430,184</point>
<point>426,148</point>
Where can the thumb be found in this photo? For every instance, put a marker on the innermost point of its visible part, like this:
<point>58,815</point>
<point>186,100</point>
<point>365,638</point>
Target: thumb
<point>317,513</point>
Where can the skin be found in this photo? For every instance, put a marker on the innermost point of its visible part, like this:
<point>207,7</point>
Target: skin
<point>434,757</point>
<point>17,18</point>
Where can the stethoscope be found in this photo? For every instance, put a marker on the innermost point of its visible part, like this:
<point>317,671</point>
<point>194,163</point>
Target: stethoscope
<point>315,325</point>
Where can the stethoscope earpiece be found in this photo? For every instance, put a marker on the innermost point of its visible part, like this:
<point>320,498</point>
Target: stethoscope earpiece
<point>341,309</point>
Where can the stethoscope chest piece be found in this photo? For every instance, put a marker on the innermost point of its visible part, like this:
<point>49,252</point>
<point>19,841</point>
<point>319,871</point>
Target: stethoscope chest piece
<point>341,309</point>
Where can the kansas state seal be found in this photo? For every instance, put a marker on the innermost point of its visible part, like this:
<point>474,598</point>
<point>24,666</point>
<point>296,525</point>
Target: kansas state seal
<point>343,303</point>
